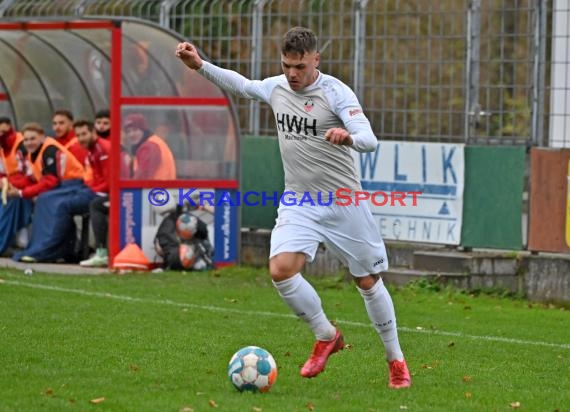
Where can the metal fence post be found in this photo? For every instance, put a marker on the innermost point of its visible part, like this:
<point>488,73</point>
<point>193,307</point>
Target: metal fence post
<point>539,56</point>
<point>164,18</point>
<point>256,55</point>
<point>472,57</point>
<point>359,42</point>
<point>79,9</point>
<point>5,5</point>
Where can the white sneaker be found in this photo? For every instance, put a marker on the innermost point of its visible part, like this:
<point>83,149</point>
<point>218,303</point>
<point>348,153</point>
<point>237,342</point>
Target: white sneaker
<point>99,259</point>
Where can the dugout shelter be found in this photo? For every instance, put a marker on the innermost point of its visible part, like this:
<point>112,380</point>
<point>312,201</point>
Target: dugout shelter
<point>129,66</point>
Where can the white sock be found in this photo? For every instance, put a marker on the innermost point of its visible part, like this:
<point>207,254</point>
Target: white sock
<point>305,303</point>
<point>381,312</point>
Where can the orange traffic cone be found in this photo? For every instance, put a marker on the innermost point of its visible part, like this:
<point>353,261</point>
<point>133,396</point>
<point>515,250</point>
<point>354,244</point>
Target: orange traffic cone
<point>131,258</point>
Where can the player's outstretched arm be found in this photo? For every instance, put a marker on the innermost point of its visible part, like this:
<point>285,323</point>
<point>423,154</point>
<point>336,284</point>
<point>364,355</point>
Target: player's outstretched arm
<point>228,80</point>
<point>189,55</point>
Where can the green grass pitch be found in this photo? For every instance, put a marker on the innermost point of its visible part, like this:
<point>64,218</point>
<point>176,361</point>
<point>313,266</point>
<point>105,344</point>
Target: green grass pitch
<point>161,342</point>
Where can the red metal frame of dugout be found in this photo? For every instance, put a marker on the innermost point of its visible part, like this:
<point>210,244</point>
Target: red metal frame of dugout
<point>116,101</point>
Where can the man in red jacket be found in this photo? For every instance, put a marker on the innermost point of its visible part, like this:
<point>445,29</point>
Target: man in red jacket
<point>62,124</point>
<point>99,206</point>
<point>103,129</point>
<point>55,238</point>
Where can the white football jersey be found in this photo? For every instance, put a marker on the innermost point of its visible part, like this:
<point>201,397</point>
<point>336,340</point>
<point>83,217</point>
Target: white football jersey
<point>311,163</point>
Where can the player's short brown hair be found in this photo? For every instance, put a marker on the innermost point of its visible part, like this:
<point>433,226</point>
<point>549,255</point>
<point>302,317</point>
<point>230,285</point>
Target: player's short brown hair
<point>63,112</point>
<point>299,40</point>
<point>33,127</point>
<point>84,122</point>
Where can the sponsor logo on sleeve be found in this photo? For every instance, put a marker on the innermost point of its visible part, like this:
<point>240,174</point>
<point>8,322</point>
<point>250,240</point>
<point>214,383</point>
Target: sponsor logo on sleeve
<point>354,112</point>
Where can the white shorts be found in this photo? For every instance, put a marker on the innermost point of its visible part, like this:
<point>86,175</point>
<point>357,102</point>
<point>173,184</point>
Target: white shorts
<point>350,232</point>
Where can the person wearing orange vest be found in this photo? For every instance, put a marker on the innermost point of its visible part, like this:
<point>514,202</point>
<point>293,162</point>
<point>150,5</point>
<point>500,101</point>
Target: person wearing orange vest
<point>50,171</point>
<point>62,124</point>
<point>153,158</point>
<point>46,164</point>
<point>15,213</point>
<point>10,141</point>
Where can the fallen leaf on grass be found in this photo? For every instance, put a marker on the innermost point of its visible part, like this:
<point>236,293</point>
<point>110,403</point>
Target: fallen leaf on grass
<point>468,395</point>
<point>348,346</point>
<point>48,392</point>
<point>515,405</point>
<point>212,403</point>
<point>97,400</point>
<point>467,378</point>
<point>310,406</point>
<point>134,368</point>
<point>432,365</point>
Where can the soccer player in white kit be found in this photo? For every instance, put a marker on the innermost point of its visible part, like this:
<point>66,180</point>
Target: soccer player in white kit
<point>319,120</point>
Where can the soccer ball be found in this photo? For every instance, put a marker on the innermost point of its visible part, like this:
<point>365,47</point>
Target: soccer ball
<point>186,226</point>
<point>187,255</point>
<point>252,369</point>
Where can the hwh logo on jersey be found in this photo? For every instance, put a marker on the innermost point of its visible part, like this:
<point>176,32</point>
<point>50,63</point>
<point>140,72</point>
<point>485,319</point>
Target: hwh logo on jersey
<point>294,124</point>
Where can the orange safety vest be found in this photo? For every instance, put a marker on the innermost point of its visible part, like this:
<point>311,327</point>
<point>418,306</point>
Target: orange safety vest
<point>69,166</point>
<point>9,163</point>
<point>167,169</point>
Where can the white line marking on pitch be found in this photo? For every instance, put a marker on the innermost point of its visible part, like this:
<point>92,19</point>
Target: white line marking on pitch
<point>273,314</point>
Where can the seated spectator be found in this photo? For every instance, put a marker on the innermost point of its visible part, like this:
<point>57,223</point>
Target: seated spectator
<point>103,129</point>
<point>46,164</point>
<point>99,207</point>
<point>50,172</point>
<point>15,213</point>
<point>153,158</point>
<point>62,124</point>
<point>103,123</point>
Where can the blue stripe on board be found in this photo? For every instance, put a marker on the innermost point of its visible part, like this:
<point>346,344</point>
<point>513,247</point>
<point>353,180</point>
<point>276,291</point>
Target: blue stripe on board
<point>452,219</point>
<point>432,189</point>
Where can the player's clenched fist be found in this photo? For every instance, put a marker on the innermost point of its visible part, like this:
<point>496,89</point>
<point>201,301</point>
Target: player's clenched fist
<point>338,135</point>
<point>189,55</point>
